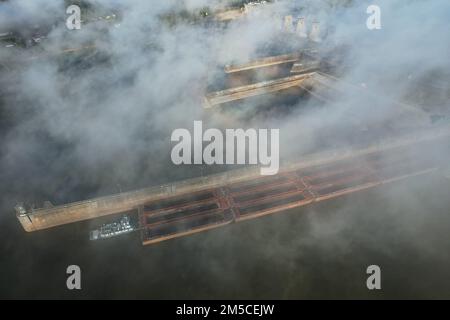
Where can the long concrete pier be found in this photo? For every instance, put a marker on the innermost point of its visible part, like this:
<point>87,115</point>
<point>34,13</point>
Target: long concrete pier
<point>252,90</point>
<point>42,218</point>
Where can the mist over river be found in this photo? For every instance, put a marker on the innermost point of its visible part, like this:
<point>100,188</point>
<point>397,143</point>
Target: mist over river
<point>90,112</point>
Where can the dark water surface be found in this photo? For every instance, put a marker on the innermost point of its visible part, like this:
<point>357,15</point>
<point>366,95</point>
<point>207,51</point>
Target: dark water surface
<point>317,252</point>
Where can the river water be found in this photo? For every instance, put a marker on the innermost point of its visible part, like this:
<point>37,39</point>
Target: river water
<point>321,251</point>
